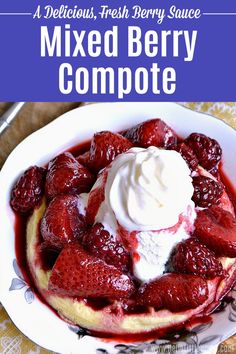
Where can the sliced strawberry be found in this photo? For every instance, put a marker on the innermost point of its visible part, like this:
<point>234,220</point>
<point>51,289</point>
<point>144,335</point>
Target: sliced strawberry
<point>175,292</point>
<point>103,245</point>
<point>216,228</point>
<point>105,146</point>
<point>28,190</point>
<point>96,197</point>
<point>153,132</point>
<point>62,221</point>
<point>192,257</point>
<point>77,273</point>
<point>67,175</point>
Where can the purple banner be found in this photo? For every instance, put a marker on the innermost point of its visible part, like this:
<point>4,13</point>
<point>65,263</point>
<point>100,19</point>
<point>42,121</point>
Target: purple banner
<point>118,50</point>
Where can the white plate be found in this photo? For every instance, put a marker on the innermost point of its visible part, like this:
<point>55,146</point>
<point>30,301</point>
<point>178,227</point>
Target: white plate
<point>30,315</point>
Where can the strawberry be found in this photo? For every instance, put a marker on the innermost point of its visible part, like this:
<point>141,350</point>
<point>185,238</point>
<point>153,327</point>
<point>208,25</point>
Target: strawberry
<point>192,257</point>
<point>62,222</point>
<point>216,228</point>
<point>103,245</point>
<point>28,190</point>
<point>153,132</point>
<point>96,197</point>
<point>78,273</point>
<point>175,292</point>
<point>105,146</point>
<point>66,175</point>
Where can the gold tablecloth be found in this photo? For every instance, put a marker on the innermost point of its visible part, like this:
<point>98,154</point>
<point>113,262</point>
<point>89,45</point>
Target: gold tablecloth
<point>37,114</point>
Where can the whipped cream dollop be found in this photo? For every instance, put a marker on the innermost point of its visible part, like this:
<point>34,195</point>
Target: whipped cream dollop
<point>148,189</point>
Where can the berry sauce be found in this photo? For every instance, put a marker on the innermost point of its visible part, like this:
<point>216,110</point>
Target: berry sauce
<point>80,148</point>
<point>230,189</point>
<point>20,247</point>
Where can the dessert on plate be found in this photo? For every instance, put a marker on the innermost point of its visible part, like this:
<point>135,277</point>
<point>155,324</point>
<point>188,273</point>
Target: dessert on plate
<point>136,233</point>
